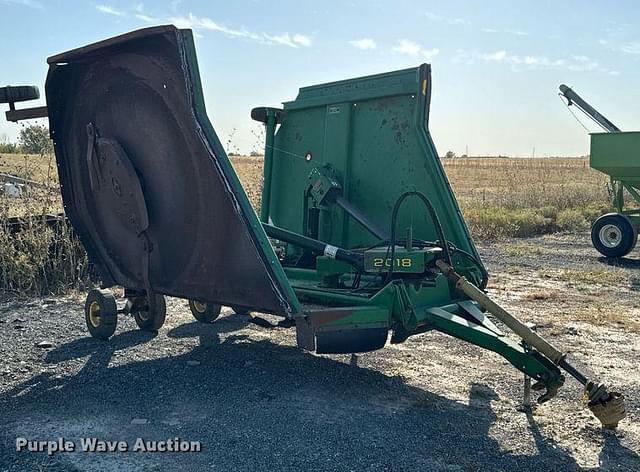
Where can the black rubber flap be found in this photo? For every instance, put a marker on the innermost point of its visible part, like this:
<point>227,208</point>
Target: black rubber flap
<point>145,180</point>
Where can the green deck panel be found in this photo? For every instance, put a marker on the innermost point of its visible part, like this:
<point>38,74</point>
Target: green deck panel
<point>373,131</point>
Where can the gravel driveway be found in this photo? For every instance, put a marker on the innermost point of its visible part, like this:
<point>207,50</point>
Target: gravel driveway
<point>256,402</point>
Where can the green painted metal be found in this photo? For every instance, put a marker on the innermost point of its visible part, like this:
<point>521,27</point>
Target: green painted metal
<point>530,362</point>
<point>372,132</point>
<point>409,261</point>
<point>366,141</point>
<point>618,155</point>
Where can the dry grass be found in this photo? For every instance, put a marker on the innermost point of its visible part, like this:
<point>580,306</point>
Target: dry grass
<point>499,197</point>
<point>503,197</point>
<point>588,277</point>
<point>39,260</point>
<point>526,197</point>
<point>540,295</point>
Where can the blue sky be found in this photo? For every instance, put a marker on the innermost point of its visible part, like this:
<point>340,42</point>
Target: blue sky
<point>496,64</point>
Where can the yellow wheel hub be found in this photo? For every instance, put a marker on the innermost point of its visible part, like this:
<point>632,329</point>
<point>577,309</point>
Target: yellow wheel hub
<point>200,307</point>
<point>94,314</point>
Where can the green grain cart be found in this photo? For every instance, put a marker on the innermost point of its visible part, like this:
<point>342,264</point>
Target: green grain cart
<point>614,153</point>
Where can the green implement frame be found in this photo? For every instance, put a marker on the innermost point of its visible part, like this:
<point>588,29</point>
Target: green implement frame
<point>337,161</point>
<point>374,240</point>
<point>359,234</point>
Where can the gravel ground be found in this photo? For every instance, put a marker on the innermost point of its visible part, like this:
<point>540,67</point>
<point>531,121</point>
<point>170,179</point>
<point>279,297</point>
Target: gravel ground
<point>255,401</point>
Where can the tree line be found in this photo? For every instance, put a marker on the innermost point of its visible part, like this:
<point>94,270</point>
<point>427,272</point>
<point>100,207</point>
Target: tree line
<point>32,139</point>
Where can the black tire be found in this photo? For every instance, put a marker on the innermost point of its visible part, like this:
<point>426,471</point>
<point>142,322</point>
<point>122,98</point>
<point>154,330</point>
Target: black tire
<point>240,310</point>
<point>613,235</point>
<point>204,312</point>
<point>101,313</point>
<point>146,319</point>
<point>19,93</point>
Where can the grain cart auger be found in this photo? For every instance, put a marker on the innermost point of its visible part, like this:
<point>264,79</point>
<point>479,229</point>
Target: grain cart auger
<point>614,153</point>
<point>359,235</point>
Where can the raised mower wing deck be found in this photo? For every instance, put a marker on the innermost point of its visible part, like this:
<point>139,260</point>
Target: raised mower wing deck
<point>145,180</point>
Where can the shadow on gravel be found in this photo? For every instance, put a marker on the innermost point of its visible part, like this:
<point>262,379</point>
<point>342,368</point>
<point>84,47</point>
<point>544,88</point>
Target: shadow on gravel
<point>622,262</point>
<point>260,405</point>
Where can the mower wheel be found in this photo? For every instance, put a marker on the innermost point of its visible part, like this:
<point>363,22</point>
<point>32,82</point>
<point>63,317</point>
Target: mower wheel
<point>101,313</point>
<point>204,312</point>
<point>613,235</point>
<point>147,319</point>
<point>240,310</point>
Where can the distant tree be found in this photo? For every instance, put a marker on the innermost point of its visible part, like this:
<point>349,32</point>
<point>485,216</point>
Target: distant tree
<point>34,139</point>
<point>255,154</point>
<point>450,155</point>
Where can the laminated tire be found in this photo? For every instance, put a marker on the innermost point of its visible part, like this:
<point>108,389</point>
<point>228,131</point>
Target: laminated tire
<point>204,312</point>
<point>101,313</point>
<point>147,319</point>
<point>613,235</point>
<point>240,310</point>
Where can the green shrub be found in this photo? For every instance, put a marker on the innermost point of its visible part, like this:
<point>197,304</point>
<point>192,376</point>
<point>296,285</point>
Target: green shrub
<point>571,220</point>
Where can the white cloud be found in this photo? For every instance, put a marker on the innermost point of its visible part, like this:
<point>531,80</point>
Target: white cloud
<point>409,48</point>
<point>574,63</point>
<point>631,48</point>
<point>497,56</point>
<point>286,39</point>
<point>141,14</point>
<point>108,10</point>
<point>441,19</point>
<point>146,18</point>
<point>580,58</point>
<point>25,3</point>
<point>302,40</point>
<point>505,31</point>
<point>203,23</point>
<point>364,43</point>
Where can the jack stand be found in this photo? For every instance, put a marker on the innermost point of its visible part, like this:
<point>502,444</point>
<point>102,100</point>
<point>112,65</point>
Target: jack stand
<point>527,406</point>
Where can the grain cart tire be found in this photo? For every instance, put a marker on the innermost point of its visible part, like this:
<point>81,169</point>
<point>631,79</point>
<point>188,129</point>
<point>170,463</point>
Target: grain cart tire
<point>147,319</point>
<point>204,312</point>
<point>240,310</point>
<point>613,235</point>
<point>101,313</point>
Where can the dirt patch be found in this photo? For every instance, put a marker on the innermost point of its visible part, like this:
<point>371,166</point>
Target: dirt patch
<point>255,401</point>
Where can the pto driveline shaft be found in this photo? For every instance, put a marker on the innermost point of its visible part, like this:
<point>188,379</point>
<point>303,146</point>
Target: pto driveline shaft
<point>608,407</point>
<point>522,330</point>
<point>350,257</point>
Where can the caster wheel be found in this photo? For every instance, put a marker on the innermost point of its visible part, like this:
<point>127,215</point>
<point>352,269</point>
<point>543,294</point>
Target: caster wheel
<point>204,312</point>
<point>146,319</point>
<point>101,313</point>
<point>240,310</point>
<point>613,235</point>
